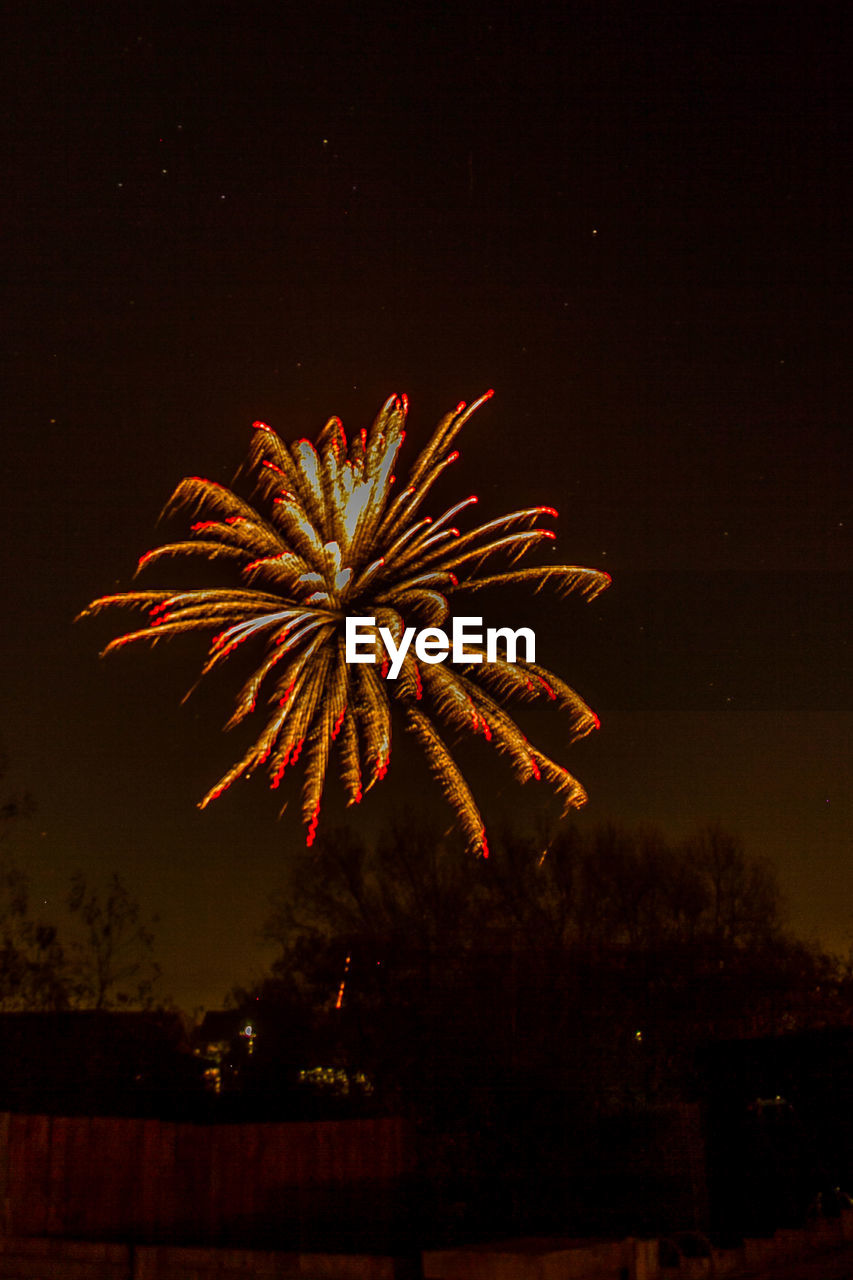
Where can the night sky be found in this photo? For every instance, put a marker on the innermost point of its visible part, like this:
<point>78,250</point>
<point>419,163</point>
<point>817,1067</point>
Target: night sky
<point>631,220</point>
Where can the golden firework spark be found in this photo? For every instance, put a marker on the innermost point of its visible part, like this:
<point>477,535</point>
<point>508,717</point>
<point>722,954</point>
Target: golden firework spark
<point>341,539</point>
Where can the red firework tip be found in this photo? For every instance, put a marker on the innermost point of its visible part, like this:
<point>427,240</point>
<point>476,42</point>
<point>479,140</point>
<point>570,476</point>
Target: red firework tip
<point>336,728</point>
<point>200,525</point>
<point>460,406</point>
<point>235,520</point>
<point>548,511</point>
<point>546,533</point>
<point>253,564</point>
<point>454,531</point>
<point>312,827</point>
<point>487,733</point>
<point>451,457</point>
<point>536,771</point>
<point>454,581</point>
<point>383,670</point>
<point>596,721</point>
<point>405,400</point>
<point>158,622</point>
<point>487,395</point>
<point>143,560</point>
<point>286,695</point>
<point>484,844</point>
<point>261,426</point>
<point>419,687</point>
<point>364,437</point>
<point>296,751</point>
<point>272,466</point>
<point>545,685</point>
<point>216,643</point>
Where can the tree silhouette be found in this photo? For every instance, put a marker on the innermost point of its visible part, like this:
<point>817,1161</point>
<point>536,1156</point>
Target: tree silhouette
<point>112,966</point>
<point>32,960</point>
<point>440,975</point>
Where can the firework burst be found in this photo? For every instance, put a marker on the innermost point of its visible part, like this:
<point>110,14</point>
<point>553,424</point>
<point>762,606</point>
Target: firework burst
<point>340,538</point>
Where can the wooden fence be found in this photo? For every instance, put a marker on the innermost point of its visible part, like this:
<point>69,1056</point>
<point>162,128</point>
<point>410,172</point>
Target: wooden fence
<point>336,1184</point>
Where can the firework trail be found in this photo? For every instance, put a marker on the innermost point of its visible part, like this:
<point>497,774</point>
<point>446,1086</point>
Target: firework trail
<point>340,538</point>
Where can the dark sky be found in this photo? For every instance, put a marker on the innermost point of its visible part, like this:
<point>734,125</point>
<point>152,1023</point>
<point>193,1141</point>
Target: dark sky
<point>631,219</point>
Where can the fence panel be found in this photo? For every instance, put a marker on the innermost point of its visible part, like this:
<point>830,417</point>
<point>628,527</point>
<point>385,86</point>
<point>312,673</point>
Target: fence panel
<point>151,1181</point>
